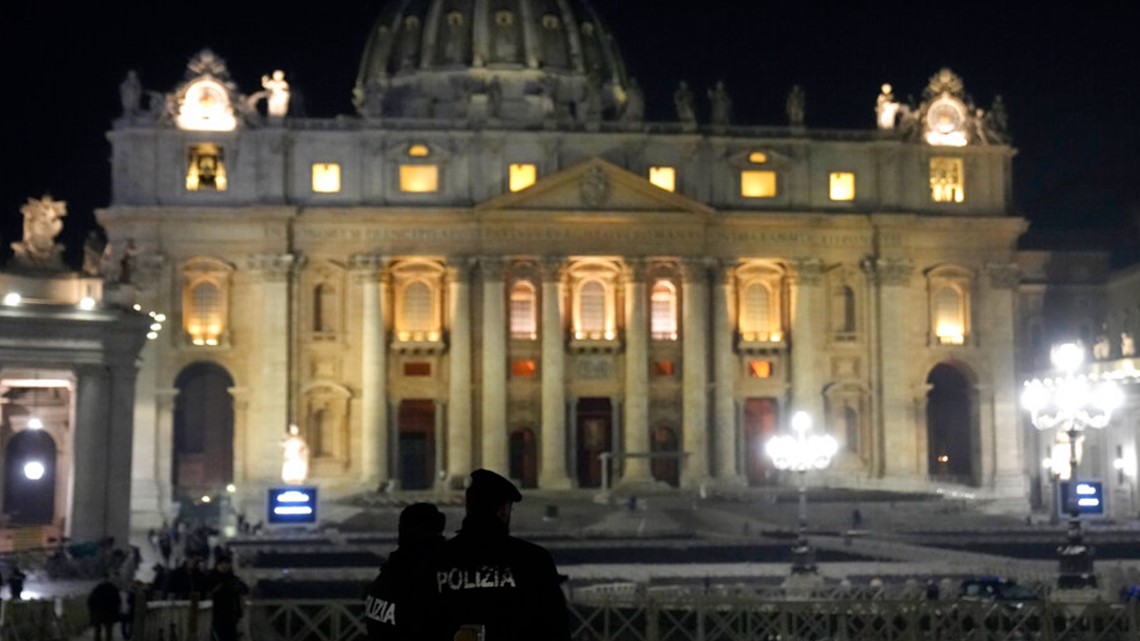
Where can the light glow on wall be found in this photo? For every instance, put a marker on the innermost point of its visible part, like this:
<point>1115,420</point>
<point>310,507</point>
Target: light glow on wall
<point>206,107</point>
<point>522,175</point>
<point>663,177</point>
<point>950,334</point>
<point>757,184</point>
<point>419,151</point>
<point>419,179</point>
<point>946,182</point>
<point>207,169</point>
<point>326,177</point>
<point>34,470</point>
<point>87,303</point>
<point>841,185</point>
<point>757,158</point>
<point>12,299</point>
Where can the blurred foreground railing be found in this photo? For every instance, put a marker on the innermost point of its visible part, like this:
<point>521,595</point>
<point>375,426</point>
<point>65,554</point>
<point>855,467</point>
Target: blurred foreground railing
<point>654,617</point>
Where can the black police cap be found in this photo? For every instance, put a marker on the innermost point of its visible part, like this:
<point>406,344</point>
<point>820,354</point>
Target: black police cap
<point>489,489</point>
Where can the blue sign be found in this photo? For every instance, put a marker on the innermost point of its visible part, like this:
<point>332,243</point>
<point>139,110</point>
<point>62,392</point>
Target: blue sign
<point>293,505</point>
<point>1088,497</point>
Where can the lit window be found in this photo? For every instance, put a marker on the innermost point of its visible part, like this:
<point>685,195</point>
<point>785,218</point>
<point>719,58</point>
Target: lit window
<point>523,369</point>
<point>757,184</point>
<point>760,369</point>
<point>949,315</point>
<point>592,310</point>
<point>419,179</point>
<point>756,317</point>
<point>663,369</point>
<point>207,170</point>
<point>757,158</point>
<point>418,312</point>
<point>418,151</point>
<point>842,185</point>
<point>663,177</point>
<point>204,318</point>
<point>326,177</point>
<point>524,324</point>
<point>522,175</point>
<point>663,311</point>
<point>946,183</point>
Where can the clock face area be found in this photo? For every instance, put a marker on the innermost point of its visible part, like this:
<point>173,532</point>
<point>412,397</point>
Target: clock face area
<point>946,123</point>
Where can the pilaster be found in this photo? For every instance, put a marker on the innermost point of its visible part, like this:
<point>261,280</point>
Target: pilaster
<point>370,275</point>
<point>459,441</point>
<point>269,402</point>
<point>724,373</point>
<point>636,373</point>
<point>694,372</point>
<point>808,323</point>
<point>494,366</point>
<point>552,473</point>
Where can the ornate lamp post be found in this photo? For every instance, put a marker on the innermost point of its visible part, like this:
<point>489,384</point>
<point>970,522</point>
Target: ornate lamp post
<point>801,453</point>
<point>1072,403</point>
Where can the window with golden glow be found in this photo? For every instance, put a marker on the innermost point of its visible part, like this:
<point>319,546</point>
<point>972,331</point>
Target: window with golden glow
<point>592,310</point>
<point>419,151</point>
<point>522,175</point>
<point>326,177</point>
<point>757,158</point>
<point>841,185</point>
<point>663,369</point>
<point>523,369</point>
<point>950,317</point>
<point>204,317</point>
<point>524,322</point>
<point>664,177</point>
<point>663,311</point>
<point>207,168</point>
<point>419,312</point>
<point>756,313</point>
<point>757,183</point>
<point>759,369</point>
<point>946,181</point>
<point>419,179</point>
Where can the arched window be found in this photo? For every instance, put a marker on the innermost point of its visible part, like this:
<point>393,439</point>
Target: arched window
<point>524,324</point>
<point>592,306</point>
<point>949,316</point>
<point>756,319</point>
<point>418,309</point>
<point>324,308</point>
<point>205,315</point>
<point>663,311</point>
<point>851,428</point>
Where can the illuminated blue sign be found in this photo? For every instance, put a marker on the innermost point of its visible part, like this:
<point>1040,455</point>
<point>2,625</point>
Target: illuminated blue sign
<point>1087,496</point>
<point>292,505</point>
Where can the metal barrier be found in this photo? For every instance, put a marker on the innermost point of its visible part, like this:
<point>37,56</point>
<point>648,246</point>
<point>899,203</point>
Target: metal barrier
<point>173,621</point>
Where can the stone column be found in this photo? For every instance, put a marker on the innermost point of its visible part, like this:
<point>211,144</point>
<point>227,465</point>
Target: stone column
<point>146,497</point>
<point>808,323</point>
<point>724,370</point>
<point>164,463</point>
<point>459,370</point>
<point>552,473</point>
<point>636,374</point>
<point>896,429</point>
<point>996,338</point>
<point>270,385</point>
<point>91,454</point>
<point>494,410</point>
<point>118,446</point>
<point>370,274</point>
<point>694,372</point>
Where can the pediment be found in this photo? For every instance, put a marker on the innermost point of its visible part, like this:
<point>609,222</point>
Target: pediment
<point>595,185</point>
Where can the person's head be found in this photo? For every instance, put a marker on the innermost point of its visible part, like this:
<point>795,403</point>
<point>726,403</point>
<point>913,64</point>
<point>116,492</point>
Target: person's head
<point>421,523</point>
<point>490,493</point>
<point>224,564</point>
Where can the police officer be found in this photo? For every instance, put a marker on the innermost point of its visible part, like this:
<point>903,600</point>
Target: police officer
<point>492,586</point>
<point>400,604</point>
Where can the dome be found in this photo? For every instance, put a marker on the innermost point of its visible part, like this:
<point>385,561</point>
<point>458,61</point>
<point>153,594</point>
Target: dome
<point>516,62</point>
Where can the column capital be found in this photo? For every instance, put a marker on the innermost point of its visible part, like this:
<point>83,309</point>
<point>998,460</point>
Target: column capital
<point>458,269</point>
<point>492,268</point>
<point>1003,275</point>
<point>365,267</point>
<point>725,270</point>
<point>695,270</point>
<point>273,267</point>
<point>634,269</point>
<point>553,268</point>
<point>806,271</point>
<point>889,271</point>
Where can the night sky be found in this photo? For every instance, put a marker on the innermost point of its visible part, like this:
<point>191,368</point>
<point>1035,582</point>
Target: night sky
<point>1067,76</point>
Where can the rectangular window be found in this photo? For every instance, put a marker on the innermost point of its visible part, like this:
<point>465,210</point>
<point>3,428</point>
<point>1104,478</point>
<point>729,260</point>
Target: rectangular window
<point>417,369</point>
<point>326,177</point>
<point>523,369</point>
<point>522,175</point>
<point>663,368</point>
<point>760,369</point>
<point>841,185</point>
<point>757,183</point>
<point>207,170</point>
<point>946,182</point>
<point>663,177</point>
<point>419,179</point>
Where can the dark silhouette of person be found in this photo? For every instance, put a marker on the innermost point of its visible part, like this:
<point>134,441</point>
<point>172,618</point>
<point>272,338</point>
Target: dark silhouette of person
<point>226,591</point>
<point>401,603</point>
<point>185,580</point>
<point>492,585</point>
<point>16,583</point>
<point>103,604</point>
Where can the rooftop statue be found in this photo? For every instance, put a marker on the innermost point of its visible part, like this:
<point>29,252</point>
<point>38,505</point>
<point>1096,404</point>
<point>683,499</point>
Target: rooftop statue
<point>277,102</point>
<point>130,93</point>
<point>795,106</point>
<point>886,108</point>
<point>721,105</point>
<point>634,103</point>
<point>683,101</point>
<point>43,220</point>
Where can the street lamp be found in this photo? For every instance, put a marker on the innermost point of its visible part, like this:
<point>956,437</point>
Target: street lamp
<point>801,453</point>
<point>1072,403</point>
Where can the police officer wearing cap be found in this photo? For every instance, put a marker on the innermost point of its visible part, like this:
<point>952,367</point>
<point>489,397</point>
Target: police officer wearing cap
<point>493,586</point>
<point>401,603</point>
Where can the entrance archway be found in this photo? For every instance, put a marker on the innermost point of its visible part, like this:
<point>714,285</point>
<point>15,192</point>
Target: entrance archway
<point>29,478</point>
<point>666,470</point>
<point>523,453</point>
<point>950,426</point>
<point>417,444</point>
<point>203,430</point>
<point>595,436</point>
<point>761,415</point>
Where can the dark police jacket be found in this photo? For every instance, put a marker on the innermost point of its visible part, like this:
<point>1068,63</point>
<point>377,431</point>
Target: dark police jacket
<point>402,602</point>
<point>506,585</point>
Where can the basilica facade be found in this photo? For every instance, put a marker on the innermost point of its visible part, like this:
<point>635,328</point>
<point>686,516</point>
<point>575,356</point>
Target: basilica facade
<point>498,262</point>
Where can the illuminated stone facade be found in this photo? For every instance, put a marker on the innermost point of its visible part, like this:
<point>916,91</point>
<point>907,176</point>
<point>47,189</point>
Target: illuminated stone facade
<point>430,311</point>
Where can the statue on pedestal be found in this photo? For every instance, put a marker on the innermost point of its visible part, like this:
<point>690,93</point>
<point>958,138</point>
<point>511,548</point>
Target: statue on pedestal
<point>683,101</point>
<point>130,93</point>
<point>295,466</point>
<point>277,89</point>
<point>795,106</point>
<point>43,220</point>
<point>634,103</point>
<point>886,108</point>
<point>720,113</point>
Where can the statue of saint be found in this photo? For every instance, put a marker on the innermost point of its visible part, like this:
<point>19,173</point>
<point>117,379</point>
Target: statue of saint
<point>93,249</point>
<point>278,91</point>
<point>127,262</point>
<point>720,113</point>
<point>1127,346</point>
<point>43,220</point>
<point>295,452</point>
<point>634,103</point>
<point>886,109</point>
<point>130,93</point>
<point>795,106</point>
<point>1102,349</point>
<point>996,121</point>
<point>683,101</point>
